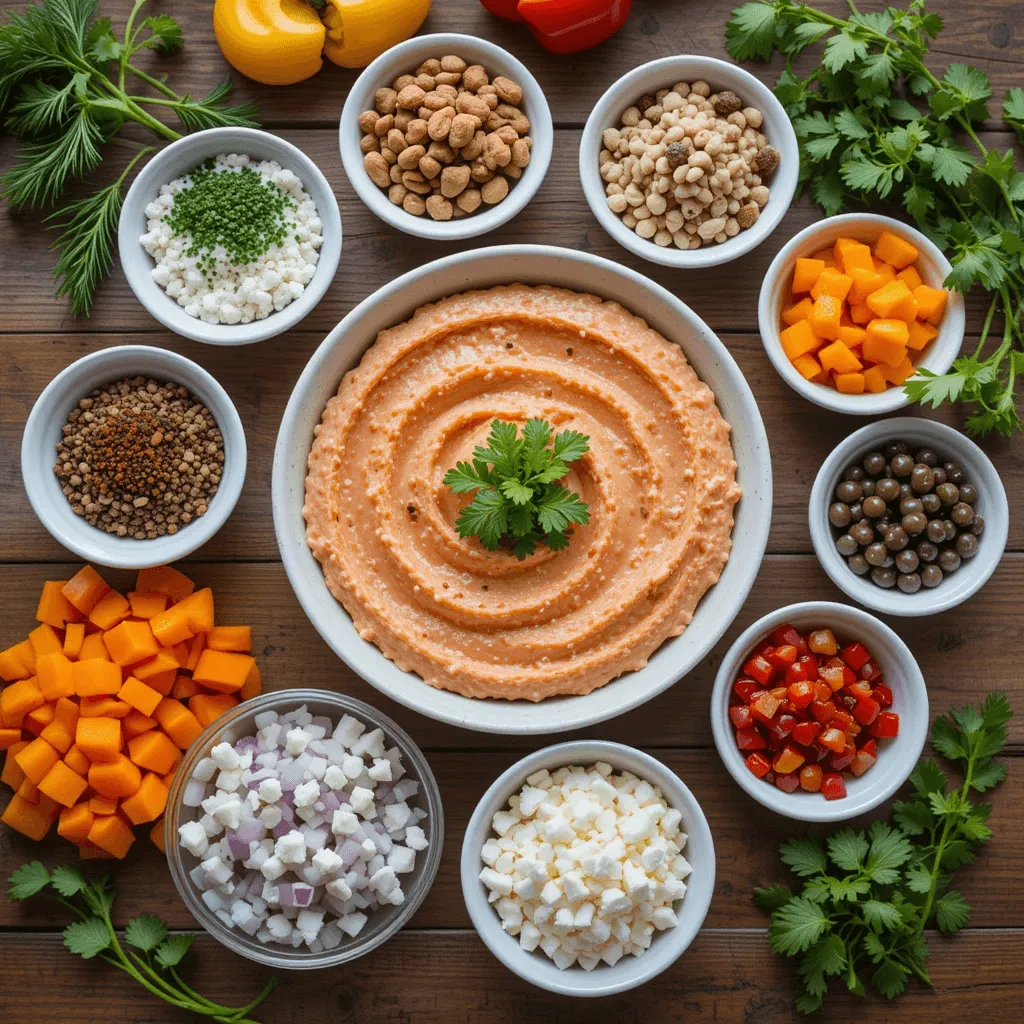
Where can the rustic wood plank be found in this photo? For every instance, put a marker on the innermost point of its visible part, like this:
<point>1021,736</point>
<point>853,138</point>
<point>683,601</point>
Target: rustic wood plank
<point>145,885</point>
<point>425,977</point>
<point>374,253</point>
<point>951,648</point>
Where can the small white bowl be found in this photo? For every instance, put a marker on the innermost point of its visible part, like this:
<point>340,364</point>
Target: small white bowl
<point>992,506</point>
<point>865,227</point>
<point>666,947</point>
<point>404,59</point>
<point>43,431</point>
<point>719,74</point>
<point>181,157</point>
<point>896,757</point>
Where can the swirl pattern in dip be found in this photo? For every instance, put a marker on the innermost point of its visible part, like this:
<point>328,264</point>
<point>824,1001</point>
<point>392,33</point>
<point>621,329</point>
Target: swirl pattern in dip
<point>660,480</point>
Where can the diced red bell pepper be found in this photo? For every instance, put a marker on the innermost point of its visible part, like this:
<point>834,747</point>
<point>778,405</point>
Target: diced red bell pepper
<point>759,765</point>
<point>861,762</point>
<point>568,26</point>
<point>833,739</point>
<point>833,676</point>
<point>845,759</point>
<point>805,733</point>
<point>780,693</point>
<point>782,724</point>
<point>855,655</point>
<point>770,778</point>
<point>788,760</point>
<point>761,669</point>
<point>810,777</point>
<point>822,712</point>
<point>866,710</point>
<point>885,726</point>
<point>841,720</point>
<point>803,669</point>
<point>871,672</point>
<point>763,707</point>
<point>745,689</point>
<point>789,635</point>
<point>739,715</point>
<point>781,657</point>
<point>822,641</point>
<point>822,692</point>
<point>859,688</point>
<point>787,783</point>
<point>870,747</point>
<point>849,676</point>
<point>832,786</point>
<point>883,694</point>
<point>750,739</point>
<point>800,694</point>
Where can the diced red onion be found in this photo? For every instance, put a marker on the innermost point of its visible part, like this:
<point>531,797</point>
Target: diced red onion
<point>250,829</point>
<point>239,847</point>
<point>349,851</point>
<point>282,828</point>
<point>330,801</point>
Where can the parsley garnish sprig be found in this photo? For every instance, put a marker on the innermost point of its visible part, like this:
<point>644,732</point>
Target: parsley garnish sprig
<point>517,495</point>
<point>64,92</point>
<point>874,123</point>
<point>867,897</point>
<point>149,953</point>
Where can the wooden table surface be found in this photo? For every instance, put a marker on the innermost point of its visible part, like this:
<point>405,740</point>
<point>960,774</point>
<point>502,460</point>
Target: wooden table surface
<point>437,969</point>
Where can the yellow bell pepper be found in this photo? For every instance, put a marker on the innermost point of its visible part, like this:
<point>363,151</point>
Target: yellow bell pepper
<point>281,42</point>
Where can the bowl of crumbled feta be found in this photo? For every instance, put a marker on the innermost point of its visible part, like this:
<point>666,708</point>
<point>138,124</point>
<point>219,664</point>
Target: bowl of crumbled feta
<point>230,236</point>
<point>304,829</point>
<point>588,868</point>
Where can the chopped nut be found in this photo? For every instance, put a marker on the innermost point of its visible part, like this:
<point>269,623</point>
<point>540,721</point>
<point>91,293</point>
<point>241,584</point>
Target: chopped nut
<point>411,97</point>
<point>494,190</point>
<point>377,168</point>
<point>767,161</point>
<point>508,90</point>
<point>747,214</point>
<point>726,103</point>
<point>439,208</point>
<point>384,101</point>
<point>454,180</point>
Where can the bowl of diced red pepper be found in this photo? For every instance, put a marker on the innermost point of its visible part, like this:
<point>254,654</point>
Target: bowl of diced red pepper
<point>820,711</point>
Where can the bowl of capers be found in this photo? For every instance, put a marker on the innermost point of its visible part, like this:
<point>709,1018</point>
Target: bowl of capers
<point>908,516</point>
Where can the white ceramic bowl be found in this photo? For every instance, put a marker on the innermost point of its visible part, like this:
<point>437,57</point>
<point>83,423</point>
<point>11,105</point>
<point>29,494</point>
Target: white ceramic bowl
<point>896,757</point>
<point>775,296</point>
<point>404,59</point>
<point>666,947</point>
<point>719,74</point>
<point>484,268</point>
<point>177,159</point>
<point>43,431</point>
<point>991,505</point>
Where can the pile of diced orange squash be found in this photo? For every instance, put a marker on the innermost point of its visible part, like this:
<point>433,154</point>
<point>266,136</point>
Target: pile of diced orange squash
<point>103,697</point>
<point>858,316</point>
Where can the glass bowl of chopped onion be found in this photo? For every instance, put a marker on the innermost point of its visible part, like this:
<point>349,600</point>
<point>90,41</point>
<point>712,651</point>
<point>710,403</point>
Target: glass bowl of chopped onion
<point>288,851</point>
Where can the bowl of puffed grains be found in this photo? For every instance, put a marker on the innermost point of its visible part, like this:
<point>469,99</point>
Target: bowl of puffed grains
<point>689,161</point>
<point>133,456</point>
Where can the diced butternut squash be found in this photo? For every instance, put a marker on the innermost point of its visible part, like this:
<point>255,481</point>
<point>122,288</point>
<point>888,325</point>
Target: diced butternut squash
<point>805,273</point>
<point>111,609</point>
<point>167,580</point>
<point>9,737</point>
<point>893,301</point>
<point>115,779</point>
<point>103,707</point>
<point>920,334</point>
<point>855,256</point>
<point>96,678</point>
<point>910,277</point>
<point>31,820</point>
<point>931,303</point>
<point>825,317</point>
<point>860,314</point>
<point>154,751</point>
<point>141,697</point>
<point>38,718</point>
<point>84,590</point>
<point>799,311</point>
<point>851,335</point>
<point>112,836</point>
<point>837,358</point>
<point>12,775</point>
<point>103,804</point>
<point>44,640</point>
<point>156,835</point>
<point>898,374</point>
<point>874,380</point>
<point>36,759</point>
<point>63,785</point>
<point>74,823</point>
<point>93,647</point>
<point>839,247</point>
<point>99,739</point>
<point>181,724</point>
<point>253,685</point>
<point>886,342</point>
<point>135,723</point>
<point>799,339</point>
<point>849,383</point>
<point>28,791</point>
<point>230,638</point>
<point>833,283</point>
<point>147,603</point>
<point>185,688</point>
<point>807,366</point>
<point>196,647</point>
<point>74,636</point>
<point>825,255</point>
<point>77,761</point>
<point>159,672</point>
<point>895,250</point>
<point>55,676</point>
<point>179,652</point>
<point>865,281</point>
<point>66,714</point>
<point>54,608</point>
<point>17,662</point>
<point>199,607</point>
<point>19,698</point>
<point>208,707</point>
<point>58,736</point>
<point>222,671</point>
<point>147,803</point>
<point>130,642</point>
<point>172,626</point>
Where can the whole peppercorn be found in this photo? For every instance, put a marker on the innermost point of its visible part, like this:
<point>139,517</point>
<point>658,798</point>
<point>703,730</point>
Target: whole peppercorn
<point>767,161</point>
<point>726,103</point>
<point>676,154</point>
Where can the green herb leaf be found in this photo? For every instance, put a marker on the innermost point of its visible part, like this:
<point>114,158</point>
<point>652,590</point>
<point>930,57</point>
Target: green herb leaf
<point>145,932</point>
<point>68,881</point>
<point>558,508</point>
<point>890,849</point>
<point>750,32</point>
<point>87,938</point>
<point>27,881</point>
<point>848,849</point>
<point>172,950</point>
<point>212,110</point>
<point>797,925</point>
<point>952,912</point>
<point>167,36</point>
<point>773,897</point>
<point>804,856</point>
<point>881,915</point>
<point>890,979</point>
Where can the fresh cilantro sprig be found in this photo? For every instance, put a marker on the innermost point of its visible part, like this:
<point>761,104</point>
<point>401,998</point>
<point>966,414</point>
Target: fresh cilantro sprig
<point>875,124</point>
<point>149,954</point>
<point>517,494</point>
<point>867,897</point>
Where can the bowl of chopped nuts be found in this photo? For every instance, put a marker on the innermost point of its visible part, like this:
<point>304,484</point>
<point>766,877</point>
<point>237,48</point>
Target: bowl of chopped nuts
<point>689,161</point>
<point>133,456</point>
<point>446,136</point>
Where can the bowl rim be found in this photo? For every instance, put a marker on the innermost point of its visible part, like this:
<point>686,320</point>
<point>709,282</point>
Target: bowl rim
<point>269,954</point>
<point>375,76</point>
<point>63,392</point>
<point>924,602</point>
<point>913,711</point>
<point>696,901</point>
<point>136,263</point>
<point>783,186</point>
<point>472,713</point>
<point>938,358</point>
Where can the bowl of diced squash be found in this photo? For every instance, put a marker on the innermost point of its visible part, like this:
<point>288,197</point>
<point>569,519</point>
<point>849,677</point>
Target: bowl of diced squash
<point>101,699</point>
<point>854,306</point>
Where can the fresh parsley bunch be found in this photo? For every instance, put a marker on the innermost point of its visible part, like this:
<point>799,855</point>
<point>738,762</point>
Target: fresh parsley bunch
<point>873,123</point>
<point>867,897</point>
<point>517,494</point>
<point>64,92</point>
<point>152,954</point>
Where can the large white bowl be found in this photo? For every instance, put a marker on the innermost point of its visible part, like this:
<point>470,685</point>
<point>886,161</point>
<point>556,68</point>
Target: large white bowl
<point>404,59</point>
<point>43,431</point>
<point>484,268</point>
<point>991,505</point>
<point>667,946</point>
<point>896,757</point>
<point>719,74</point>
<point>179,158</point>
<point>865,227</point>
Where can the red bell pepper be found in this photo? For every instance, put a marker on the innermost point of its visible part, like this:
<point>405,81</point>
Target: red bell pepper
<point>787,783</point>
<point>759,765</point>
<point>832,786</point>
<point>565,26</point>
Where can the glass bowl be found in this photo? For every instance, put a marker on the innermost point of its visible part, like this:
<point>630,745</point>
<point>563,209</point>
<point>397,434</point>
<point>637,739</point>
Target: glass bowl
<point>385,921</point>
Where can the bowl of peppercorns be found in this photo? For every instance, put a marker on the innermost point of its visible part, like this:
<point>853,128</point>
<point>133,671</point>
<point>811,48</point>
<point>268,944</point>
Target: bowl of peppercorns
<point>133,457</point>
<point>908,516</point>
